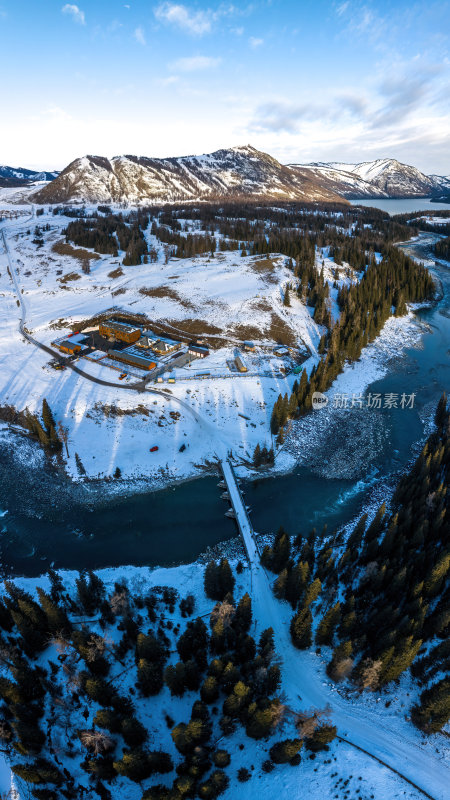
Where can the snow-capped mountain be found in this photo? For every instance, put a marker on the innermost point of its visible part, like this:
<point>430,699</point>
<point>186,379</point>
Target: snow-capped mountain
<point>384,177</point>
<point>238,173</point>
<point>18,176</point>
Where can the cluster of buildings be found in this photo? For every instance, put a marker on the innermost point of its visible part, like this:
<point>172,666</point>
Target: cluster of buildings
<point>130,345</point>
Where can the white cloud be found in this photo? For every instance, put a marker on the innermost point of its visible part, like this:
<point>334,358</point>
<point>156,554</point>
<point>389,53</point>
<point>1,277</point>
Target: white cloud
<point>194,22</point>
<point>194,63</point>
<point>254,42</point>
<point>169,81</point>
<point>139,35</point>
<point>76,13</point>
<point>342,8</point>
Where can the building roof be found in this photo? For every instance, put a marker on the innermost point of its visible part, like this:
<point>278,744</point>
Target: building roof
<point>69,344</point>
<point>200,348</point>
<point>125,326</point>
<point>132,358</point>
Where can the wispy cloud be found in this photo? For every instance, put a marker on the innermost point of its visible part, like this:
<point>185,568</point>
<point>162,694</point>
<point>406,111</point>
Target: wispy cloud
<point>169,81</point>
<point>198,22</point>
<point>342,8</point>
<point>193,22</point>
<point>194,63</point>
<point>255,43</point>
<point>139,35</point>
<point>75,12</point>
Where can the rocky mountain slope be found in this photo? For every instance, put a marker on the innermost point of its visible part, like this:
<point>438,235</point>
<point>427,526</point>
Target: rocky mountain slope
<point>18,176</point>
<point>384,177</point>
<point>238,173</point>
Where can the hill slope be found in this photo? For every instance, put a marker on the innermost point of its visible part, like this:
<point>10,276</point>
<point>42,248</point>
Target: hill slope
<point>238,173</point>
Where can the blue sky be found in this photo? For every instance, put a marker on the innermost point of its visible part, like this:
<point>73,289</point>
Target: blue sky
<point>305,81</point>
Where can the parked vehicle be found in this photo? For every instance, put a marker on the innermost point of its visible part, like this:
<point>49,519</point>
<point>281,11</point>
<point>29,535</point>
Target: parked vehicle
<point>154,448</point>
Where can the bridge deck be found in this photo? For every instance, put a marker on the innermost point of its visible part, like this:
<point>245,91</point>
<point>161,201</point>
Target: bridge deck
<point>242,518</point>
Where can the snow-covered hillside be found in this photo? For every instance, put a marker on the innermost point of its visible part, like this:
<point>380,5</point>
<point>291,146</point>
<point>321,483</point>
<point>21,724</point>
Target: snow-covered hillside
<point>385,177</point>
<point>238,173</point>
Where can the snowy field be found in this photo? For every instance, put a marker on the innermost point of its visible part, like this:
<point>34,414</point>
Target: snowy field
<point>233,297</point>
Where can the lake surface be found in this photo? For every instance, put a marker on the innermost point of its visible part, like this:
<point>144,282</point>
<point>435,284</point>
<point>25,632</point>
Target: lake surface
<point>405,206</point>
<point>47,521</point>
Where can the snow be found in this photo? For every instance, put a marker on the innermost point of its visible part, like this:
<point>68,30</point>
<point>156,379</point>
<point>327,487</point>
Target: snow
<point>226,292</point>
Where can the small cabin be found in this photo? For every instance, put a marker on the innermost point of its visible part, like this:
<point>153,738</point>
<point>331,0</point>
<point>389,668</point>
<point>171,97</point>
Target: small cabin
<point>198,350</point>
<point>241,366</point>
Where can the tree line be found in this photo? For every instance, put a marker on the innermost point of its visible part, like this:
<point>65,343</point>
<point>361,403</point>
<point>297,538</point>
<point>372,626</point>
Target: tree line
<point>385,595</point>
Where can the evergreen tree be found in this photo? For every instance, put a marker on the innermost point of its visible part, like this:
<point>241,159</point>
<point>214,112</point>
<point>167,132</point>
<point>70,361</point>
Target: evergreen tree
<point>328,623</point>
<point>284,751</point>
<point>300,628</point>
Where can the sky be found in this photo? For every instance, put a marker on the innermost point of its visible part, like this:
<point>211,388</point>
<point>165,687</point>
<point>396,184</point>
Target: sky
<point>304,80</point>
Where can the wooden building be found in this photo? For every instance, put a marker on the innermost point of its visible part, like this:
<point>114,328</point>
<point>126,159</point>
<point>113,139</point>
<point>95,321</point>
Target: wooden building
<point>69,347</point>
<point>132,359</point>
<point>198,350</point>
<point>121,331</point>
<point>241,366</point>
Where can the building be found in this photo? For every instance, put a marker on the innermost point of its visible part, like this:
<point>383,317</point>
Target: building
<point>69,346</point>
<point>281,351</point>
<point>163,346</point>
<point>133,359</point>
<point>159,344</point>
<point>121,331</point>
<point>148,339</point>
<point>241,366</point>
<point>198,350</point>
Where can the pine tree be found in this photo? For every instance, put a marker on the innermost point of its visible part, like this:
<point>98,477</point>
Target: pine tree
<point>284,751</point>
<point>432,712</point>
<point>47,416</point>
<point>324,633</point>
<point>321,738</point>
<point>57,619</point>
<point>341,663</point>
<point>243,616</point>
<point>301,625</point>
<point>257,456</point>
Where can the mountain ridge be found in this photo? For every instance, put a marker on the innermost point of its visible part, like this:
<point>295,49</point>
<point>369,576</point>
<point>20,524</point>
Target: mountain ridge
<point>381,178</point>
<point>20,176</point>
<point>237,173</point>
<point>240,173</point>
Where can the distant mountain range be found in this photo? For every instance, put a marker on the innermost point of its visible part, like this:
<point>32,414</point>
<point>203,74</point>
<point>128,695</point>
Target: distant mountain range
<point>17,176</point>
<point>234,174</point>
<point>384,177</point>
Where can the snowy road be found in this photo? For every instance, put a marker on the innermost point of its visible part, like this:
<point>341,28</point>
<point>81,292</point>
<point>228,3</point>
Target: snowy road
<point>305,685</point>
